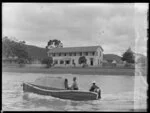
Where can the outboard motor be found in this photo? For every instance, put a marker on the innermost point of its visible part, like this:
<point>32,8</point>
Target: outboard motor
<point>99,92</point>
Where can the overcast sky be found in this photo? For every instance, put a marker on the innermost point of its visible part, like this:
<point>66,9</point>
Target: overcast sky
<point>113,26</point>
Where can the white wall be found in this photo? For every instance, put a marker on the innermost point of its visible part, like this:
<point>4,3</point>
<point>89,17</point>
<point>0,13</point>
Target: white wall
<point>96,58</point>
<point>75,58</point>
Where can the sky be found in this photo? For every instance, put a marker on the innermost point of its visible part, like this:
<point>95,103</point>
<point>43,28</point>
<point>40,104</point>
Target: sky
<point>114,26</point>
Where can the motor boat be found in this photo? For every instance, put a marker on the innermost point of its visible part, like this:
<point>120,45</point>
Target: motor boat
<point>54,86</point>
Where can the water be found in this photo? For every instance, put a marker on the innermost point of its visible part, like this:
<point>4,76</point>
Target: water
<point>117,94</point>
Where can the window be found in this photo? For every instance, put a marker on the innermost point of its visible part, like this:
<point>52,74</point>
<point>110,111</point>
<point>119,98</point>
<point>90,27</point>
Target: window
<point>86,53</point>
<point>80,54</point>
<point>70,54</point>
<point>56,54</point>
<point>74,54</point>
<point>59,54</point>
<point>72,61</point>
<point>55,61</point>
<point>96,53</point>
<point>67,62</point>
<point>100,53</point>
<point>61,62</point>
<point>93,53</point>
<point>64,54</point>
<point>53,54</point>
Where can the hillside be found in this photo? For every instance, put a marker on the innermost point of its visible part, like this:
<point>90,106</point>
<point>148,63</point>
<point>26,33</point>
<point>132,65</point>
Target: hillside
<point>111,57</point>
<point>36,52</point>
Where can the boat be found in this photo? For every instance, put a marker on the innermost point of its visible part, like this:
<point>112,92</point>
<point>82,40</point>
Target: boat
<point>44,86</point>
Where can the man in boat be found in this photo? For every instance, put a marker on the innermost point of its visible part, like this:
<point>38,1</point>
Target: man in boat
<point>74,85</point>
<point>66,84</point>
<point>95,88</point>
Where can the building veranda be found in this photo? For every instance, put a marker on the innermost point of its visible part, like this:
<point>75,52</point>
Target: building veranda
<point>69,56</point>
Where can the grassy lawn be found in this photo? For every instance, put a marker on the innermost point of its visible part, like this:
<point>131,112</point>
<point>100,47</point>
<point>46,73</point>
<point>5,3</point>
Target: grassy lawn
<point>82,71</point>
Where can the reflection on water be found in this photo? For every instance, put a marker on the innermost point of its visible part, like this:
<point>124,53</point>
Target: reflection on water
<point>117,94</point>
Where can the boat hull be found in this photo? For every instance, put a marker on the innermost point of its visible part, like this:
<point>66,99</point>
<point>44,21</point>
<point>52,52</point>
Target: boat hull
<point>61,93</point>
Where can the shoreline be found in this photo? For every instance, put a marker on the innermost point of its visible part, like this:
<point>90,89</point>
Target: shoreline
<point>80,71</point>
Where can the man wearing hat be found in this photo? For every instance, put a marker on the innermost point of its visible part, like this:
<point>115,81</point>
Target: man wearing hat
<point>95,88</point>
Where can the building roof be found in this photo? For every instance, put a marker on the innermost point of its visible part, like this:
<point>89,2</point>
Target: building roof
<point>74,49</point>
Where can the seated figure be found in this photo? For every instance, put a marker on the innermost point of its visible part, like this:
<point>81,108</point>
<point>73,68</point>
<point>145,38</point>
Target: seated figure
<point>74,85</point>
<point>66,84</point>
<point>95,88</point>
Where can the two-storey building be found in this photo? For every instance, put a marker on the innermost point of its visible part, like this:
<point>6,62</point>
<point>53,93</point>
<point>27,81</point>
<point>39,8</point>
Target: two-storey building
<point>69,56</point>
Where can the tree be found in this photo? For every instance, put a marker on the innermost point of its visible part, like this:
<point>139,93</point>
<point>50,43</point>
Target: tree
<point>7,47</point>
<point>82,60</point>
<point>54,44</point>
<point>128,56</point>
<point>48,61</point>
<point>11,48</point>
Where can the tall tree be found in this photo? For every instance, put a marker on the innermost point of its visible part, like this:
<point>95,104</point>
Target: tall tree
<point>82,60</point>
<point>54,44</point>
<point>128,56</point>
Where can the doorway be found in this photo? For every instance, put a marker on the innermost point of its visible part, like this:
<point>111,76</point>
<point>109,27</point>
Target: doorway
<point>91,61</point>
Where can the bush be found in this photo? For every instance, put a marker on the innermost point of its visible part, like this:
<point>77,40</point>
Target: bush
<point>85,65</point>
<point>22,62</point>
<point>48,61</point>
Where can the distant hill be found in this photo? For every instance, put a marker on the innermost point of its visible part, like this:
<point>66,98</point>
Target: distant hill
<point>139,55</point>
<point>36,52</point>
<point>112,57</point>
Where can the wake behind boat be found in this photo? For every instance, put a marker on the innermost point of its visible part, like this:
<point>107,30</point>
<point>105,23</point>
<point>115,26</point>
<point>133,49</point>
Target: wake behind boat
<point>54,86</point>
